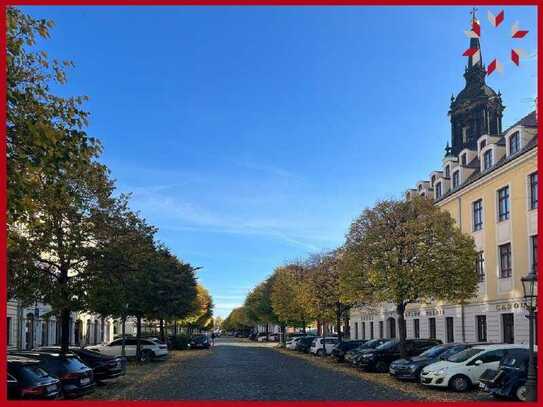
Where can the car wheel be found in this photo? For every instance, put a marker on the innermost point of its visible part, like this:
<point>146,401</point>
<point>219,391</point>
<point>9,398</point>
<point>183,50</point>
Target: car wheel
<point>381,367</point>
<point>320,353</point>
<point>460,383</point>
<point>521,393</point>
<point>146,355</point>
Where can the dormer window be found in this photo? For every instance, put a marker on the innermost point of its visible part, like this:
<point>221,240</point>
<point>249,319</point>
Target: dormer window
<point>487,160</point>
<point>482,144</point>
<point>514,143</point>
<point>433,179</point>
<point>447,172</point>
<point>464,159</point>
<point>438,190</point>
<point>456,179</point>
<point>420,187</point>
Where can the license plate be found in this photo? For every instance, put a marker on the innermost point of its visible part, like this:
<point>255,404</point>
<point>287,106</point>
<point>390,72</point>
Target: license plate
<point>51,388</point>
<point>85,381</point>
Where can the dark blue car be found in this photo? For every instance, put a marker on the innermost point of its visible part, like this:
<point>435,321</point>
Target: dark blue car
<point>509,381</point>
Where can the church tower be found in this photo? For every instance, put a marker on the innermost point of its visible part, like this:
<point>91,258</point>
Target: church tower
<point>477,109</point>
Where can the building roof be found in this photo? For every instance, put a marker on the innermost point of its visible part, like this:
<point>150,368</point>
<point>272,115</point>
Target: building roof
<point>527,121</point>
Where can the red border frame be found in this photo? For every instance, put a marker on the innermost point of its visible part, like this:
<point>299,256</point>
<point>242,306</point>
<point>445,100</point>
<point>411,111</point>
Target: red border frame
<point>3,181</point>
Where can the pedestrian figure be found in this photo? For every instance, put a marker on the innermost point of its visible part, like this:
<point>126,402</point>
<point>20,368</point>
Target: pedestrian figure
<point>212,338</point>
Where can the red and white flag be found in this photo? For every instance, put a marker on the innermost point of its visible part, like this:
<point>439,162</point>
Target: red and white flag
<point>496,20</point>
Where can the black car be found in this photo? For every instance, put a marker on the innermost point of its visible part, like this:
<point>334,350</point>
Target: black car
<point>509,380</point>
<point>343,347</point>
<point>27,380</point>
<point>200,342</point>
<point>303,344</point>
<point>380,358</point>
<point>410,368</point>
<point>76,378</point>
<point>353,355</point>
<point>104,367</point>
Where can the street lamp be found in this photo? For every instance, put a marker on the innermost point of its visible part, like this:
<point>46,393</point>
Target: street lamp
<point>529,286</point>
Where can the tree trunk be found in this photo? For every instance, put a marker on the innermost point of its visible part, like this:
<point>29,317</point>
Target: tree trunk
<point>162,336</point>
<point>174,328</point>
<point>400,310</point>
<point>138,336</point>
<point>338,321</point>
<point>123,333</point>
<point>303,326</point>
<point>267,331</point>
<point>65,330</point>
<point>319,328</point>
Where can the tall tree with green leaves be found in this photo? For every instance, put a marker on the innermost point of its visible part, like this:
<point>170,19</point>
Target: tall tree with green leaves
<point>410,251</point>
<point>259,304</point>
<point>287,295</point>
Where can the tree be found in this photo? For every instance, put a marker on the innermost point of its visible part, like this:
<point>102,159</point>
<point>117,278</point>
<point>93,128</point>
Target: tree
<point>259,306</point>
<point>201,310</point>
<point>238,319</point>
<point>411,251</point>
<point>323,290</point>
<point>287,297</point>
<point>56,187</point>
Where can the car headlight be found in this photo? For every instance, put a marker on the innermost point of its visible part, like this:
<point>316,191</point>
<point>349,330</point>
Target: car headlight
<point>441,371</point>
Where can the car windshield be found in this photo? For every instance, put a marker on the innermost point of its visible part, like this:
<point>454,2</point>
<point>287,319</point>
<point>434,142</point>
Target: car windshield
<point>371,344</point>
<point>464,355</point>
<point>452,351</point>
<point>434,351</point>
<point>388,345</point>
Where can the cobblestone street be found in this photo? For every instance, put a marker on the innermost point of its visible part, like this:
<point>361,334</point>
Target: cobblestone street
<point>240,370</point>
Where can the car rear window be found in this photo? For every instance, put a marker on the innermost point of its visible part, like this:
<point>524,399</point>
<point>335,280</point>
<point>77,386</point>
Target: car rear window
<point>72,363</point>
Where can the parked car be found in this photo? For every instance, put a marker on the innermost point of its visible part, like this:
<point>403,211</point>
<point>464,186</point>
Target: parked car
<point>27,380</point>
<point>380,358</point>
<point>462,371</point>
<point>317,345</point>
<point>353,355</point>
<point>291,343</point>
<point>509,380</point>
<point>200,342</point>
<point>149,349</point>
<point>76,378</point>
<point>411,367</point>
<point>340,349</point>
<point>262,337</point>
<point>104,367</point>
<point>304,344</point>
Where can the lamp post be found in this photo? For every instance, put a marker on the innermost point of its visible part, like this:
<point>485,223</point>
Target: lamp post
<point>529,286</point>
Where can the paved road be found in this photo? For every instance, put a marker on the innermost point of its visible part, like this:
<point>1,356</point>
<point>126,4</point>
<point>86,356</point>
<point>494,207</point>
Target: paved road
<point>240,370</point>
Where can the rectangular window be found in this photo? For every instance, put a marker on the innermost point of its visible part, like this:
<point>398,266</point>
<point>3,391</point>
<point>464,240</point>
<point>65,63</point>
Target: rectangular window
<point>533,248</point>
<point>363,330</point>
<point>464,159</point>
<point>371,330</point>
<point>432,328</point>
<point>438,190</point>
<point>456,179</point>
<point>447,172</point>
<point>487,160</point>
<point>480,266</point>
<point>508,328</point>
<point>381,330</point>
<point>416,328</point>
<point>356,330</point>
<point>449,328</point>
<point>505,260</point>
<point>532,180</point>
<point>477,215</point>
<point>482,144</point>
<point>503,204</point>
<point>514,143</point>
<point>481,328</point>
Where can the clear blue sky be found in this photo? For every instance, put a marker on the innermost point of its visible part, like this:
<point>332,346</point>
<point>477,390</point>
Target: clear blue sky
<point>254,135</point>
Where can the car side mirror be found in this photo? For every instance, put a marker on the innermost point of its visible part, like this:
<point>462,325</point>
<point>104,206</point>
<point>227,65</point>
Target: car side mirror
<point>478,362</point>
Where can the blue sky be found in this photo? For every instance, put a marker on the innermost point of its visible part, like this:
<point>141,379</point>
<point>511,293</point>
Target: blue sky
<point>254,135</point>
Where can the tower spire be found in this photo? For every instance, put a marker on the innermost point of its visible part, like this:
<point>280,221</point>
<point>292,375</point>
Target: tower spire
<point>475,60</point>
